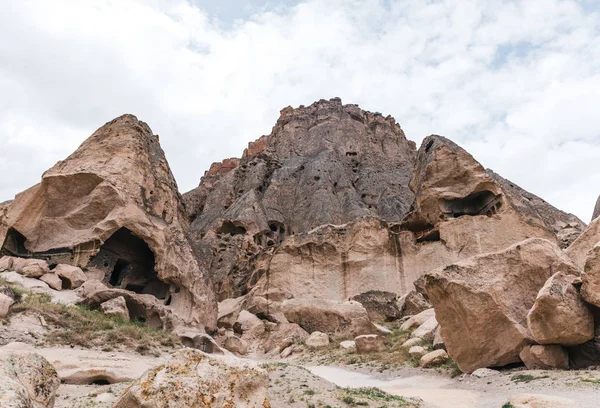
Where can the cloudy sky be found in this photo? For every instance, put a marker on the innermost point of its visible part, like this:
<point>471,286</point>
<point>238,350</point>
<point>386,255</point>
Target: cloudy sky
<point>517,83</point>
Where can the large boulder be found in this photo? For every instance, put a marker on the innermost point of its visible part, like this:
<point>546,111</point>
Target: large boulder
<point>284,335</point>
<point>559,315</point>
<point>26,380</point>
<point>71,276</point>
<point>489,296</point>
<point>113,208</point>
<point>590,288</point>
<point>537,357</point>
<point>194,379</point>
<point>331,317</point>
<point>30,268</point>
<point>7,298</point>
<point>116,307</point>
<point>413,303</point>
<point>380,305</point>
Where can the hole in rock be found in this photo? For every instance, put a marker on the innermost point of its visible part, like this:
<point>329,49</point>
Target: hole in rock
<point>100,381</point>
<point>128,263</point>
<point>351,153</point>
<point>230,228</point>
<point>482,202</point>
<point>317,178</point>
<point>428,147</point>
<point>66,283</point>
<point>14,244</point>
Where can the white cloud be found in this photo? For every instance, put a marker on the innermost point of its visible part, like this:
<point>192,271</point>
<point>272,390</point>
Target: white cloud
<point>516,83</point>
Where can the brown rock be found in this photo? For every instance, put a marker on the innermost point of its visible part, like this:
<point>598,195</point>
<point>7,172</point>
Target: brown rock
<point>413,303</point>
<point>418,319</point>
<point>284,335</point>
<point>113,207</point>
<point>341,318</point>
<point>434,359</point>
<point>580,249</point>
<point>488,297</point>
<point>369,343</point>
<point>590,288</point>
<point>249,326</point>
<point>30,268</point>
<point>236,345</point>
<point>7,298</point>
<point>52,280</point>
<point>71,276</point>
<point>116,307</point>
<point>317,340</point>
<point>199,380</point>
<point>538,357</point>
<point>559,315</point>
<point>380,305</point>
<point>427,330</point>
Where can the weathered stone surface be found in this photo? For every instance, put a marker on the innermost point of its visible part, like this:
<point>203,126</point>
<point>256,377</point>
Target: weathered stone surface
<point>351,162</point>
<point>489,296</point>
<point>426,331</point>
<point>116,307</point>
<point>194,379</point>
<point>380,305</point>
<point>433,359</point>
<point>235,345</point>
<point>590,288</point>
<point>540,401</point>
<point>52,280</point>
<point>417,352</point>
<point>26,380</point>
<point>229,310</point>
<point>7,298</point>
<point>413,303</point>
<point>438,341</point>
<point>284,335</point>
<point>30,268</point>
<point>369,343</point>
<point>72,276</point>
<point>539,357</point>
<point>249,326</point>
<point>113,207</point>
<point>559,315</point>
<point>418,319</point>
<point>580,249</point>
<point>317,340</point>
<point>342,318</point>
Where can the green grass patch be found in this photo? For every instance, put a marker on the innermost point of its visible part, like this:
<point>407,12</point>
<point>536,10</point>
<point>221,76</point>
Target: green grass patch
<point>360,396</point>
<point>526,378</point>
<point>590,380</point>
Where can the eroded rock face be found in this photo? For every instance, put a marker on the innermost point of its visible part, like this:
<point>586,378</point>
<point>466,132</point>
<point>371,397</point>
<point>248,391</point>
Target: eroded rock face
<point>380,305</point>
<point>559,315</point>
<point>489,296</point>
<point>194,379</point>
<point>112,208</point>
<point>590,288</point>
<point>538,357</point>
<point>327,163</point>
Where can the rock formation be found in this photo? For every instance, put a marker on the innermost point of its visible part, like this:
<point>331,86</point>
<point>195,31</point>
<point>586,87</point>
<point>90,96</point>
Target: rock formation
<point>482,302</point>
<point>113,209</point>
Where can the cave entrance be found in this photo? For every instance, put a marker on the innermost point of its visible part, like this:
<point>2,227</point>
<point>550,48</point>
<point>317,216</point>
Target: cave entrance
<point>230,228</point>
<point>127,262</point>
<point>480,203</point>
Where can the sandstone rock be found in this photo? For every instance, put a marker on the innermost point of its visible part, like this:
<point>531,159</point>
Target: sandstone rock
<point>284,335</point>
<point>471,296</point>
<point>67,298</point>
<point>249,326</point>
<point>579,250</point>
<point>417,320</point>
<point>590,288</point>
<point>433,359</point>
<point>538,357</point>
<point>194,379</point>
<point>540,401</point>
<point>417,352</point>
<point>72,276</point>
<point>30,268</point>
<point>52,280</point>
<point>7,298</point>
<point>348,345</point>
<point>413,303</point>
<point>484,373</point>
<point>113,208</point>
<point>369,343</point>
<point>415,341</point>
<point>351,162</point>
<point>559,315</point>
<point>380,305</point>
<point>193,338</point>
<point>236,345</point>
<point>438,341</point>
<point>229,310</point>
<point>426,331</point>
<point>6,263</point>
<point>116,307</point>
<point>329,316</point>
<point>28,380</point>
<point>317,340</point>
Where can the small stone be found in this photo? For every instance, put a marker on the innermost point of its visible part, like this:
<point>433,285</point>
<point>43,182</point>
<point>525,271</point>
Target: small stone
<point>484,372</point>
<point>369,343</point>
<point>52,280</point>
<point>417,352</point>
<point>116,307</point>
<point>418,320</point>
<point>415,341</point>
<point>348,345</point>
<point>317,340</point>
<point>434,359</point>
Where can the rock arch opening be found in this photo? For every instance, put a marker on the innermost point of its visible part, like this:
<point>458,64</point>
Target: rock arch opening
<point>230,228</point>
<point>127,262</point>
<point>480,203</point>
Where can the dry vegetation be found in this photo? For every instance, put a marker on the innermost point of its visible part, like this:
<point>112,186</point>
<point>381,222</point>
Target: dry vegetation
<point>79,326</point>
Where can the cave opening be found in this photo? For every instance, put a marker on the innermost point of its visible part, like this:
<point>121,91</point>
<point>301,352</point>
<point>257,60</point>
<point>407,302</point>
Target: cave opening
<point>127,262</point>
<point>479,203</point>
<point>14,244</point>
<point>230,228</point>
